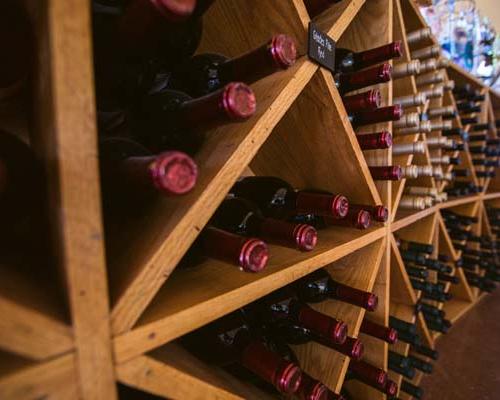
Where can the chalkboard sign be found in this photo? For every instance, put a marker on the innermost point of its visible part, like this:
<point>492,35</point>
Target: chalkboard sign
<point>321,48</point>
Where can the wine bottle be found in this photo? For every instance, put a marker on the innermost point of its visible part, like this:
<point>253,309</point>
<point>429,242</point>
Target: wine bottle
<point>422,127</point>
<point>426,52</point>
<point>384,114</point>
<point>421,190</point>
<point>438,126</point>
<point>349,81</point>
<point>229,341</point>
<point>417,272</point>
<point>418,247</point>
<point>455,132</point>
<point>431,310</point>
<point>412,202</point>
<point>319,286</point>
<point>398,359</point>
<point>277,198</point>
<point>481,127</point>
<point>402,326</point>
<point>420,364</point>
<point>359,219</point>
<point>249,254</point>
<point>387,334</point>
<point>15,45</point>
<point>428,65</point>
<point>375,141</point>
<point>430,78</point>
<point>408,148</point>
<point>434,93</point>
<point>411,389</point>
<point>242,217</point>
<point>421,285</point>
<point>426,351</point>
<point>410,338</point>
<point>369,100</point>
<point>312,389</point>
<point>352,348</point>
<point>441,112</point>
<point>406,69</point>
<point>174,120</point>
<point>413,100</point>
<point>448,278</point>
<point>408,372</point>
<point>368,374</point>
<point>206,73</point>
<point>440,160</point>
<point>469,120</point>
<point>387,173</point>
<point>407,121</point>
<point>378,213</point>
<point>418,35</point>
<point>348,61</point>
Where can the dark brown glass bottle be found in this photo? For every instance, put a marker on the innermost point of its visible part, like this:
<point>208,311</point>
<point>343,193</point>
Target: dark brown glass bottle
<point>387,334</point>
<point>249,254</point>
<point>375,141</point>
<point>378,213</point>
<point>387,173</point>
<point>384,114</point>
<point>319,286</point>
<point>174,120</point>
<point>229,341</point>
<point>277,198</point>
<point>349,81</point>
<point>368,374</point>
<point>243,217</point>
<point>205,73</point>
<point>347,60</point>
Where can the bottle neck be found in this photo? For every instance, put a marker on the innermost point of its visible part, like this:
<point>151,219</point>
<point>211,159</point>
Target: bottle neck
<point>369,100</point>
<point>368,374</point>
<point>277,54</point>
<point>321,324</point>
<point>377,55</point>
<point>301,236</point>
<point>384,114</point>
<point>378,213</point>
<point>235,102</point>
<point>352,347</point>
<point>356,80</point>
<point>387,334</point>
<point>250,254</point>
<point>311,389</point>
<point>285,376</point>
<point>359,219</point>
<point>388,173</point>
<point>374,141</point>
<point>321,204</point>
<point>351,295</point>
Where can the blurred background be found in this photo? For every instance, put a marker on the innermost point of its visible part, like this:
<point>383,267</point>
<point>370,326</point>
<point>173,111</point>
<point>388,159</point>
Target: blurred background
<point>468,33</point>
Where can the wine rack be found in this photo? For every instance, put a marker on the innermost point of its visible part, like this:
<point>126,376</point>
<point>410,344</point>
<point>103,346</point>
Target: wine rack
<point>113,307</point>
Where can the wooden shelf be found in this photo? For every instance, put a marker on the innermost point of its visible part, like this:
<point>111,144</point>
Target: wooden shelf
<point>116,303</point>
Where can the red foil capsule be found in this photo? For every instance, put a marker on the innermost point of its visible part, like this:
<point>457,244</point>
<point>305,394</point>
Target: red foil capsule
<point>235,102</point>
<point>377,55</point>
<point>369,374</point>
<point>352,347</point>
<point>378,213</point>
<point>356,80</point>
<point>301,236</point>
<point>375,141</point>
<point>381,332</point>
<point>249,253</point>
<point>387,173</point>
<point>384,114</point>
<point>353,296</point>
<point>391,388</point>
<point>368,100</point>
<point>359,219</point>
<point>323,325</point>
<point>331,205</point>
<point>284,375</point>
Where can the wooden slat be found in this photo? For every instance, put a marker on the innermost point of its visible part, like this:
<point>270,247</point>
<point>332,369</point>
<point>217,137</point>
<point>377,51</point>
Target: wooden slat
<point>64,137</point>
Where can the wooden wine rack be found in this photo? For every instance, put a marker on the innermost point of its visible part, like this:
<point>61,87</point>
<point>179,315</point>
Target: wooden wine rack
<point>119,314</point>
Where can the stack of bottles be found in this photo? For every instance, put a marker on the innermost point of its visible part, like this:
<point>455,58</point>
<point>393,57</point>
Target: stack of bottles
<point>256,343</point>
<point>479,255</point>
<point>418,359</point>
<point>265,209</point>
<point>428,275</point>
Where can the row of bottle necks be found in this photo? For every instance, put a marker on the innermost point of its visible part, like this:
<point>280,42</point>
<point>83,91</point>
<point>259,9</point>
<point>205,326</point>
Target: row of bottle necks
<point>255,343</point>
<point>171,120</point>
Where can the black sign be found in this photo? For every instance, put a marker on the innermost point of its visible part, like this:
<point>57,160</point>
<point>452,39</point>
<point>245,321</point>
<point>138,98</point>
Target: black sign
<point>321,48</point>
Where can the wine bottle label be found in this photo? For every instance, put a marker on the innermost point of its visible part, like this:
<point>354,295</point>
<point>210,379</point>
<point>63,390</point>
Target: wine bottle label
<point>321,48</point>
<point>418,35</point>
<point>408,148</point>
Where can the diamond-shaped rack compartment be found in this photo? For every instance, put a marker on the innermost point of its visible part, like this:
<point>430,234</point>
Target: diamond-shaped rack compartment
<point>157,370</point>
